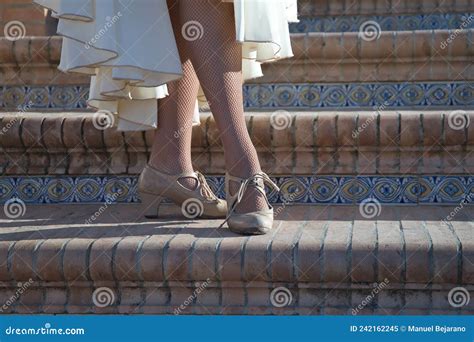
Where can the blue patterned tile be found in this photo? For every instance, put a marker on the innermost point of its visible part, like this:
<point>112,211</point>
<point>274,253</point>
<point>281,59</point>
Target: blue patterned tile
<point>412,95</point>
<point>44,97</point>
<point>409,22</point>
<point>334,96</point>
<point>12,97</point>
<point>360,95</point>
<point>30,189</point>
<point>294,189</point>
<point>463,94</point>
<point>309,95</point>
<point>439,95</point>
<point>324,190</point>
<point>282,95</point>
<point>286,96</point>
<point>445,189</point>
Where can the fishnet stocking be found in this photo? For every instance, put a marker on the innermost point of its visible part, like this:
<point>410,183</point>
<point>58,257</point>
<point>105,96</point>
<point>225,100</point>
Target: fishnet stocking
<point>217,61</point>
<point>171,151</point>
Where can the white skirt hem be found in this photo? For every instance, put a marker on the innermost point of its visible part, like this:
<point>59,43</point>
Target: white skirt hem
<point>126,79</point>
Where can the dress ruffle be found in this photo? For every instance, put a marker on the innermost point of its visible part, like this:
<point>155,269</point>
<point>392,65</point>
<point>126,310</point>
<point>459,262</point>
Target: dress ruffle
<point>116,43</point>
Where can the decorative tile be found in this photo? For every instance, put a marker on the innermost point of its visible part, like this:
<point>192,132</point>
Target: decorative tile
<point>438,189</point>
<point>282,95</point>
<point>448,189</point>
<point>359,95</point>
<point>435,21</point>
<point>44,97</point>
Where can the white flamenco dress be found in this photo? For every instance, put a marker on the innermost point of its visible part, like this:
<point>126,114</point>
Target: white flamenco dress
<point>129,49</point>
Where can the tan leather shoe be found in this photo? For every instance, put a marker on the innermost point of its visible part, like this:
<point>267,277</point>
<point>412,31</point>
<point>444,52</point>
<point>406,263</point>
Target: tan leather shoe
<point>155,186</point>
<point>253,223</point>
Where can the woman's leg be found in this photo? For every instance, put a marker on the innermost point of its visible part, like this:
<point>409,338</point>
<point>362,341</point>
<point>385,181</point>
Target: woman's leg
<point>217,59</point>
<point>171,151</point>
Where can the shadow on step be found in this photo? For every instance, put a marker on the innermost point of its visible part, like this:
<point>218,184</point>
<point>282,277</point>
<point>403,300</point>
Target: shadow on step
<point>124,220</point>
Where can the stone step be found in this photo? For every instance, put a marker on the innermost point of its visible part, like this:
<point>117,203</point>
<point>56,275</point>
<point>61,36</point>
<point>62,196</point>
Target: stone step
<point>35,21</point>
<point>381,7</point>
<point>387,56</point>
<point>303,143</point>
<point>319,57</point>
<point>319,259</point>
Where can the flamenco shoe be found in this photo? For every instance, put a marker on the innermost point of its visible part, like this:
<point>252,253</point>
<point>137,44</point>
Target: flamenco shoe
<point>154,187</point>
<point>253,223</point>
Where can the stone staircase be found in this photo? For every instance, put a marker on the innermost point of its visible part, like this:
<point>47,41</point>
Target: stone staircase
<point>317,260</point>
<point>369,137</point>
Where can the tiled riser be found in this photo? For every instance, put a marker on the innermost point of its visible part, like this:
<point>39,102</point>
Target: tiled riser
<point>271,96</point>
<point>358,95</point>
<point>433,21</point>
<point>381,7</point>
<point>301,143</point>
<point>295,189</point>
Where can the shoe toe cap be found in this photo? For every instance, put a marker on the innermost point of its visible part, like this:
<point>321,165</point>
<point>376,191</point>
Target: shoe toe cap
<point>251,224</point>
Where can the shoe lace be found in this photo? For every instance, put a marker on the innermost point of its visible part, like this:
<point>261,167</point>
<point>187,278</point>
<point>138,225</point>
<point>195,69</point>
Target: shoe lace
<point>253,180</point>
<point>206,191</point>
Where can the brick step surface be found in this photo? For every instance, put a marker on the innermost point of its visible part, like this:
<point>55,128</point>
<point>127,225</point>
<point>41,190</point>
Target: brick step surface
<point>391,56</point>
<point>319,57</point>
<point>323,143</point>
<point>321,259</point>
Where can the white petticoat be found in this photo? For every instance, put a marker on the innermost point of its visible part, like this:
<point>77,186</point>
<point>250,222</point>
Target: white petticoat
<point>128,48</point>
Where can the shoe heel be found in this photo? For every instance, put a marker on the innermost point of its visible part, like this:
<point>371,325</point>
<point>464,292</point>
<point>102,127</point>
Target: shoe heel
<point>150,204</point>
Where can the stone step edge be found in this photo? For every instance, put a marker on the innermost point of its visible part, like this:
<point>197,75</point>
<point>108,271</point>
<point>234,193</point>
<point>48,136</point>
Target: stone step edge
<point>419,286</point>
<point>329,256</point>
<point>246,300</point>
<point>321,47</point>
<point>389,143</point>
<point>281,129</point>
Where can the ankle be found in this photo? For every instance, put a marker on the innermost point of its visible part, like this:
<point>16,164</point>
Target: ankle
<point>170,169</point>
<point>244,172</point>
